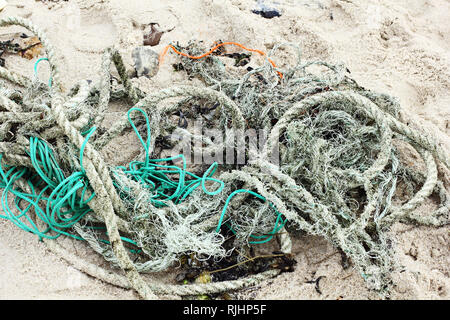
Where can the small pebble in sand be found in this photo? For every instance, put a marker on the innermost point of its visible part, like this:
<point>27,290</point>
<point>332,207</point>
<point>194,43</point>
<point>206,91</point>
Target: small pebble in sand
<point>152,37</point>
<point>266,11</point>
<point>146,61</point>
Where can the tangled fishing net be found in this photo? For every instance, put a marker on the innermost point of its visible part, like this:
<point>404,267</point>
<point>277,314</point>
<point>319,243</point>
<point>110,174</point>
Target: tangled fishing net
<point>338,175</point>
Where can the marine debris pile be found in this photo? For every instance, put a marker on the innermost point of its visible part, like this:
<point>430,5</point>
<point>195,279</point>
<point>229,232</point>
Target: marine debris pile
<point>330,166</point>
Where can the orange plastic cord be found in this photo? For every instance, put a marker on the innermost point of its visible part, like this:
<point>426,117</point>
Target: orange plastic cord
<point>164,52</point>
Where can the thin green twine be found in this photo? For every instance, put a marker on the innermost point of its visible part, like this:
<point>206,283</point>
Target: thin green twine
<point>35,70</point>
<point>279,223</point>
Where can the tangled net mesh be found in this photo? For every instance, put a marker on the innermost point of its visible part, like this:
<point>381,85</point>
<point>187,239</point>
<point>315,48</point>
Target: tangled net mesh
<point>338,173</point>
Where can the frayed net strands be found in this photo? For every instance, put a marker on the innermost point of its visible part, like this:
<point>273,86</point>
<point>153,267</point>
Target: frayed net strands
<point>338,173</point>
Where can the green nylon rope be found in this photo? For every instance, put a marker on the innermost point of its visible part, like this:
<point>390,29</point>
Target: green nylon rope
<point>64,208</point>
<point>158,178</point>
<point>279,223</point>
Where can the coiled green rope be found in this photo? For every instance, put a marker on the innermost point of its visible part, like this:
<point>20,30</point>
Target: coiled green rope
<point>64,207</point>
<point>156,177</point>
